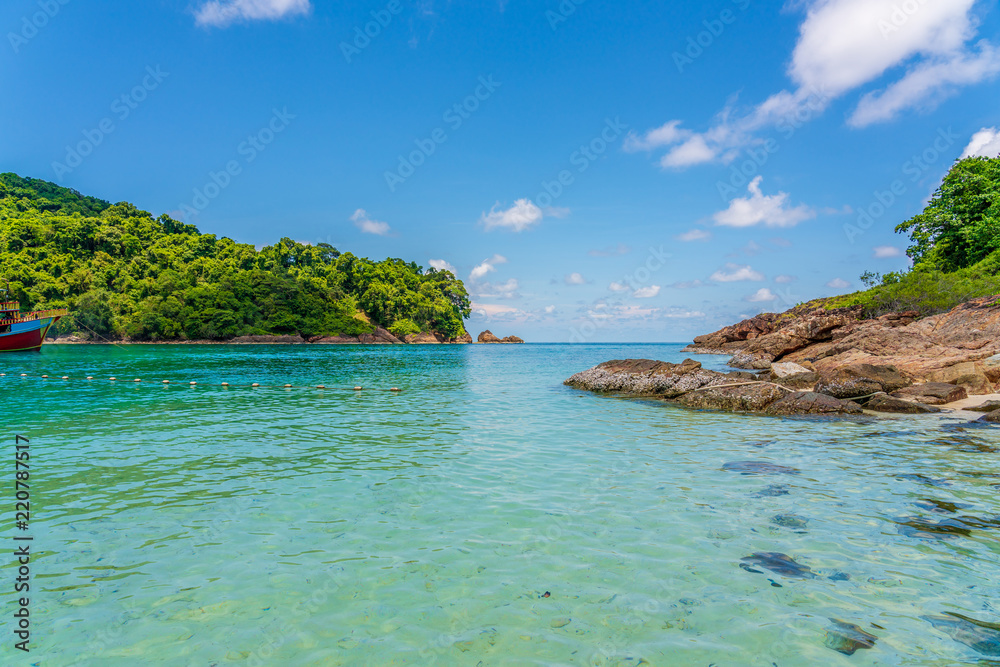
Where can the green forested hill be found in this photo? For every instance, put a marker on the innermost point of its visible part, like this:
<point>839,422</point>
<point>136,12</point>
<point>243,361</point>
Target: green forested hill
<point>123,273</point>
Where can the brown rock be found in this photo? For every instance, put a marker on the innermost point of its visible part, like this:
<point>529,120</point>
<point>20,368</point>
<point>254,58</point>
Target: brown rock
<point>970,375</point>
<point>811,403</point>
<point>885,403</point>
<point>746,398</point>
<point>336,340</point>
<point>806,380</point>
<point>644,377</point>
<point>992,418</point>
<point>463,339</point>
<point>513,339</point>
<point>860,380</point>
<point>488,337</point>
<point>423,339</point>
<point>932,393</point>
<point>988,406</point>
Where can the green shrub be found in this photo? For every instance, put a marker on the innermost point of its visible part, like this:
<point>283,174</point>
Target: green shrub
<point>403,327</point>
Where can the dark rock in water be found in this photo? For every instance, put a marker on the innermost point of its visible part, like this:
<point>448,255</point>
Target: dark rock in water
<point>860,380</point>
<point>758,468</point>
<point>924,479</point>
<point>839,576</point>
<point>778,563</point>
<point>772,491</point>
<point>933,393</point>
<point>940,506</point>
<point>991,418</point>
<point>847,638</point>
<point>644,377</point>
<point>988,406</point>
<point>978,635</point>
<point>811,403</point>
<point>883,402</point>
<point>959,526</point>
<point>790,521</point>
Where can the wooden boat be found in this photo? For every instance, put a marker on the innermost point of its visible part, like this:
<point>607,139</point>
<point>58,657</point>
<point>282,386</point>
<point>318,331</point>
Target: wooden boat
<point>20,332</point>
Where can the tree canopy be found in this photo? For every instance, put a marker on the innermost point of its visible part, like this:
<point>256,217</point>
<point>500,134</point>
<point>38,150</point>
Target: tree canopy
<point>123,273</point>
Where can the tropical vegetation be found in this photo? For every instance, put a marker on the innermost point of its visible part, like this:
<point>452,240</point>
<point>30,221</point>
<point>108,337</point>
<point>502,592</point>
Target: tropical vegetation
<point>125,274</point>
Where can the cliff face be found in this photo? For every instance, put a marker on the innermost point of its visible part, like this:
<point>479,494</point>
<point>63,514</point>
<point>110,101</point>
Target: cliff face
<point>960,347</point>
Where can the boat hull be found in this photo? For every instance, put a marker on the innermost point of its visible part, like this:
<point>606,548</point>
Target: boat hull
<point>26,336</point>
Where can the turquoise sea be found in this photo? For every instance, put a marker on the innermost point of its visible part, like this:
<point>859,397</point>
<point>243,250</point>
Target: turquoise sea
<point>483,515</point>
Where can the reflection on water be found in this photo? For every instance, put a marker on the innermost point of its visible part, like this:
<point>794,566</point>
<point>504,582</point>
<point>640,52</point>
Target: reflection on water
<point>484,515</point>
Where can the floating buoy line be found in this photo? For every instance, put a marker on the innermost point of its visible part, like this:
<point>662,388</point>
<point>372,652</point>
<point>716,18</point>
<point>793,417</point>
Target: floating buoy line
<point>224,385</point>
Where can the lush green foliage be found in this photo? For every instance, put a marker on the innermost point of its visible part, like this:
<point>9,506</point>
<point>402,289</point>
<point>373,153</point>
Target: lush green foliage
<point>961,225</point>
<point>403,327</point>
<point>123,273</point>
<point>955,247</point>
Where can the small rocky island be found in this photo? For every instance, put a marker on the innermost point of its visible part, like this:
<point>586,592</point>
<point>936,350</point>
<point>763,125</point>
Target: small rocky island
<point>817,361</point>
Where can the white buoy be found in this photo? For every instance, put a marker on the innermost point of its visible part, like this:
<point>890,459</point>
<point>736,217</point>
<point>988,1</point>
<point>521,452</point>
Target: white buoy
<point>192,383</point>
<point>358,388</point>
<point>166,382</point>
<point>90,377</point>
<point>225,384</point>
<point>24,375</point>
<point>137,380</point>
<point>44,377</point>
<point>112,379</point>
<point>65,377</point>
<point>255,385</point>
<point>319,386</point>
<point>394,389</point>
<point>288,386</point>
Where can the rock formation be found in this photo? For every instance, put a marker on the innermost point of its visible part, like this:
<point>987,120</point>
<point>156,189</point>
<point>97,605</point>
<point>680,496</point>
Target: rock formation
<point>960,347</point>
<point>489,337</point>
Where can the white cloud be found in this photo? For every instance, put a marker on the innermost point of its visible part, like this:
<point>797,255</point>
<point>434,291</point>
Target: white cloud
<point>734,273</point>
<point>575,279</point>
<point>618,287</point>
<point>519,217</point>
<point>221,13</point>
<point>493,311</point>
<point>646,292</point>
<point>771,210</point>
<point>842,46</point>
<point>666,135</point>
<point>487,266</point>
<point>694,235</point>
<point>507,290</point>
<point>369,226</point>
<point>884,251</point>
<point>442,265</point>
<point>926,84</point>
<point>838,283</point>
<point>549,310</point>
<point>984,143</point>
<point>762,295</point>
<point>784,280</point>
<point>684,314</point>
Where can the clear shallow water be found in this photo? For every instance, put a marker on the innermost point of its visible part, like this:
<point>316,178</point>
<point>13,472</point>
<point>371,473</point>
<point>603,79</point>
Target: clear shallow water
<point>241,526</point>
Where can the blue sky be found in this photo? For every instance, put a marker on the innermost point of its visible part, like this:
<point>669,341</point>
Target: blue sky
<point>631,171</point>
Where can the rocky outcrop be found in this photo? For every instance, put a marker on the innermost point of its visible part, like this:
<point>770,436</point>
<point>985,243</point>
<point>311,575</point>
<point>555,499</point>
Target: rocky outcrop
<point>960,347</point>
<point>988,406</point>
<point>464,339</point>
<point>856,380</point>
<point>335,340</point>
<point>690,385</point>
<point>488,337</point>
<point>424,339</point>
<point>883,402</point>
<point>380,337</point>
<point>932,393</point>
<point>755,397</point>
<point>643,377</point>
<point>811,403</point>
<point>991,418</point>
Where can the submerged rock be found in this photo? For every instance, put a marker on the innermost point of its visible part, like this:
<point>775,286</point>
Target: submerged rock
<point>778,563</point>
<point>980,636</point>
<point>847,638</point>
<point>991,418</point>
<point>811,403</point>
<point>856,380</point>
<point>758,468</point>
<point>790,521</point>
<point>772,491</point>
<point>883,402</point>
<point>933,393</point>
